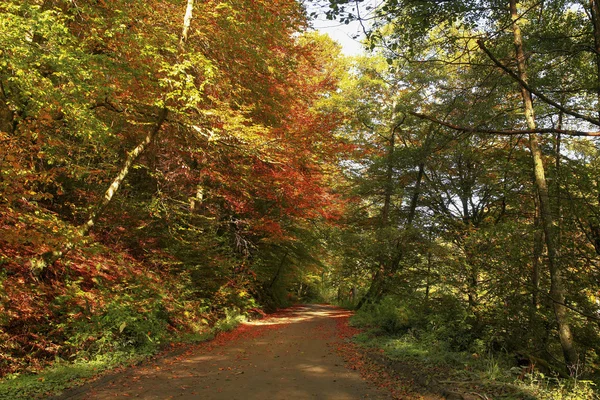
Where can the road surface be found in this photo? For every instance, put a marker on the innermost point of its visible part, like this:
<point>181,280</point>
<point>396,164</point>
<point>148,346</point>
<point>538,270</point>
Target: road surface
<point>289,356</point>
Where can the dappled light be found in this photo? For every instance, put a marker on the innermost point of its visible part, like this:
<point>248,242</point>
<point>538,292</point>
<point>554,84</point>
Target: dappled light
<point>291,355</point>
<point>208,199</point>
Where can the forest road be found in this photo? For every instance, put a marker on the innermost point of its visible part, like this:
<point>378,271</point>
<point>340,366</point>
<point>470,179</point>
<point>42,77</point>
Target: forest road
<point>288,356</point>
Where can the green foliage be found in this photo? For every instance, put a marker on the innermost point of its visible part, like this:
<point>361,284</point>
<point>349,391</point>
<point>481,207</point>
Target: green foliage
<point>128,324</point>
<point>447,319</point>
<point>60,376</point>
<point>550,388</point>
<point>443,320</point>
<point>410,344</point>
<point>230,321</point>
<point>388,317</point>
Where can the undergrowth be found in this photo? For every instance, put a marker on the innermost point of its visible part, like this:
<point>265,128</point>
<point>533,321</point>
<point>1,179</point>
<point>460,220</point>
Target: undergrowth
<point>134,347</point>
<point>444,340</point>
<point>100,310</point>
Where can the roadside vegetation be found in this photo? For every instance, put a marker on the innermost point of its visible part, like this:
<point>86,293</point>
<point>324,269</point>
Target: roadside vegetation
<point>429,345</point>
<point>168,167</point>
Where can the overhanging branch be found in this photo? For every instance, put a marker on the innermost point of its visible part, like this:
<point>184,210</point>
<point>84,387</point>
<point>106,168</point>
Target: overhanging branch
<point>538,94</point>
<point>508,132</point>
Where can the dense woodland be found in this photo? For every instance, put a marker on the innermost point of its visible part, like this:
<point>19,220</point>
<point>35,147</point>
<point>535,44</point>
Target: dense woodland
<point>168,165</point>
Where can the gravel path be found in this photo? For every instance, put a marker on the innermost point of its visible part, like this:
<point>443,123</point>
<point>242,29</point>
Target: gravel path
<point>289,356</point>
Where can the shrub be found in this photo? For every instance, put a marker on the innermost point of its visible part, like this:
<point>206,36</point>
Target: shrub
<point>388,317</point>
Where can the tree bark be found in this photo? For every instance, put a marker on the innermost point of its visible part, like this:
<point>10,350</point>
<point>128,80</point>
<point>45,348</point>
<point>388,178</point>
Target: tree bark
<point>389,182</point>
<point>378,283</point>
<point>50,257</point>
<point>595,15</point>
<point>428,280</point>
<point>281,264</point>
<point>132,157</point>
<point>187,22</point>
<point>557,289</point>
<point>378,279</point>
<point>415,196</point>
<point>538,246</point>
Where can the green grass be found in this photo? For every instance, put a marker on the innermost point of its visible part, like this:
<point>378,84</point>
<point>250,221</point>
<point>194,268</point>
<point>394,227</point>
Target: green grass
<point>494,374</point>
<point>63,375</point>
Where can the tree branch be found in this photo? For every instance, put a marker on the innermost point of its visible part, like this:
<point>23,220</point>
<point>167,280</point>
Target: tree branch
<point>508,132</point>
<point>541,96</point>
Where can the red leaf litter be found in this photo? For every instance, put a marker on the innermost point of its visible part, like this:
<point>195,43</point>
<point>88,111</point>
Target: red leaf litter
<point>357,359</point>
<point>245,331</point>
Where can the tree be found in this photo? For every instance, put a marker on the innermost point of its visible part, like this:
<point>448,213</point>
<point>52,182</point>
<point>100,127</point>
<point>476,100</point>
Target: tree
<point>471,43</point>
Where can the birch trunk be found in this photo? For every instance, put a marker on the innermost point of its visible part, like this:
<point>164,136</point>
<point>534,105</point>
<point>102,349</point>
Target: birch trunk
<point>50,257</point>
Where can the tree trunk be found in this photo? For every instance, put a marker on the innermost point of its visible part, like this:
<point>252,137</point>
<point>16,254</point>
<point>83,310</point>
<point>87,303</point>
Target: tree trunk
<point>132,157</point>
<point>374,289</point>
<point>428,280</point>
<point>50,257</point>
<point>276,276</point>
<point>378,279</point>
<point>377,287</point>
<point>415,196</point>
<point>389,182</point>
<point>538,247</point>
<point>187,21</point>
<point>595,15</point>
<point>557,289</point>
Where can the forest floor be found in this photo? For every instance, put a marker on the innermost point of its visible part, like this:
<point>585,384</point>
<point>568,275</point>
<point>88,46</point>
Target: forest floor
<point>303,352</point>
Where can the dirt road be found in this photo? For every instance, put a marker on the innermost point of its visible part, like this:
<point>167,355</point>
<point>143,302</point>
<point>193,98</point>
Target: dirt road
<point>289,356</point>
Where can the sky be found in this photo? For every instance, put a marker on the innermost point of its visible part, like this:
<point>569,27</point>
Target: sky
<point>342,33</point>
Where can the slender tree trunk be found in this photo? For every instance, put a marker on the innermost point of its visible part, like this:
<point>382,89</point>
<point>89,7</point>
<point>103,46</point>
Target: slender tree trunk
<point>389,267</point>
<point>538,247</point>
<point>557,192</point>
<point>412,212</point>
<point>187,21</point>
<point>473,281</point>
<point>379,277</point>
<point>594,221</point>
<point>557,289</point>
<point>50,257</point>
<point>389,182</point>
<point>276,276</point>
<point>132,157</point>
<point>595,14</point>
<point>415,196</point>
<point>374,291</point>
<point>428,280</point>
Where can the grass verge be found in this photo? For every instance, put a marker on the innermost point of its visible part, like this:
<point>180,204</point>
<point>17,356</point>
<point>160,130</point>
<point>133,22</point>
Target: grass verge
<point>63,375</point>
